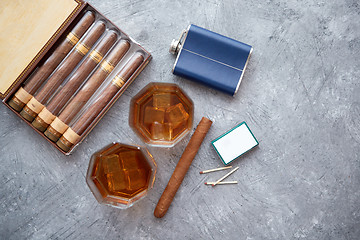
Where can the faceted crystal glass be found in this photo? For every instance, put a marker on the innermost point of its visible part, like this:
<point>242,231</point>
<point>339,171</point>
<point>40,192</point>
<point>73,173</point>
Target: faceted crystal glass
<point>120,175</point>
<point>161,114</point>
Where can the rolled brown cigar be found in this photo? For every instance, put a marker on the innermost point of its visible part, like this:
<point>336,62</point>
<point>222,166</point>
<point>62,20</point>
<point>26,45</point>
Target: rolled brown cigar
<point>52,108</point>
<point>182,167</point>
<point>36,103</point>
<point>60,123</point>
<point>73,133</point>
<point>24,94</point>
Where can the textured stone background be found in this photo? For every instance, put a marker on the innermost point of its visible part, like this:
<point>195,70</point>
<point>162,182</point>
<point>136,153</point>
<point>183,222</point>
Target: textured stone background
<point>300,96</point>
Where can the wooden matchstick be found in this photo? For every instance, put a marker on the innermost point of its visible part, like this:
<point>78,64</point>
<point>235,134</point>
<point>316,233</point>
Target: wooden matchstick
<point>228,174</point>
<point>215,169</point>
<point>221,183</point>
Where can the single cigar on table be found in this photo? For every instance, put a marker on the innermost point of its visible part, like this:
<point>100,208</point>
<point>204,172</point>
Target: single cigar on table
<point>61,123</point>
<point>182,167</point>
<point>36,103</point>
<point>73,133</point>
<point>24,94</point>
<point>52,108</point>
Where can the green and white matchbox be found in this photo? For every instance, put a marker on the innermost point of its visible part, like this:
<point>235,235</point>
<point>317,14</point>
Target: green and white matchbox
<point>234,143</point>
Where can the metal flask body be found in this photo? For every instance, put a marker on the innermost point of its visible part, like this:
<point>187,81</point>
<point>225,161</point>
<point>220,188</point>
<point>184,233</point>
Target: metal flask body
<point>211,59</point>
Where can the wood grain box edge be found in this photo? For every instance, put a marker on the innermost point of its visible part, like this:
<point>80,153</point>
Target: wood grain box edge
<point>43,51</point>
<point>83,6</point>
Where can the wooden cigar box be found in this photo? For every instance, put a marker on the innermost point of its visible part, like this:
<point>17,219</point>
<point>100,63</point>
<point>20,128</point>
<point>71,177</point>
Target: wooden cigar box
<point>28,34</point>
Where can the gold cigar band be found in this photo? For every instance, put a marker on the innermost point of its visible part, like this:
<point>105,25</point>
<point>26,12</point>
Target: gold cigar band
<point>72,38</point>
<point>82,48</point>
<point>96,56</point>
<point>107,66</point>
<point>118,81</point>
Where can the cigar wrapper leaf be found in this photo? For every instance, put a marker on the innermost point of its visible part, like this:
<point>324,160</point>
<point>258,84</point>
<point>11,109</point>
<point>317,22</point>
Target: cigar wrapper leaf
<point>73,133</point>
<point>182,167</point>
<point>24,94</point>
<point>61,123</point>
<point>36,103</point>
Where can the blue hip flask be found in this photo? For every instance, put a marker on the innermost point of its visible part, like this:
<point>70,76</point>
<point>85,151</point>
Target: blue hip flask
<point>211,59</point>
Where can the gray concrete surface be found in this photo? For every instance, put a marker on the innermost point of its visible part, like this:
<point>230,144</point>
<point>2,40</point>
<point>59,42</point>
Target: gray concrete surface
<point>300,96</point>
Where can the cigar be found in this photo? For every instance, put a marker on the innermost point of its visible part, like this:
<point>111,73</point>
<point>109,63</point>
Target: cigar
<point>73,133</point>
<point>52,108</point>
<point>182,167</point>
<point>36,103</point>
<point>61,123</point>
<point>24,94</point>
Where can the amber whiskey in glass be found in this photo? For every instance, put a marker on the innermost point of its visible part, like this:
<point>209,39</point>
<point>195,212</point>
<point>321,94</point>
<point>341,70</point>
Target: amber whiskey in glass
<point>119,175</point>
<point>161,114</point>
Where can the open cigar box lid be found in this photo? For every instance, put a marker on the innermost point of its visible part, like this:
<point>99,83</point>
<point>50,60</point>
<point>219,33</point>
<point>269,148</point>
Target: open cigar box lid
<point>28,29</point>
